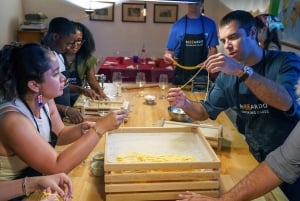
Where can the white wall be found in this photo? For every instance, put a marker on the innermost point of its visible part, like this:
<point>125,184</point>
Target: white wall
<point>117,35</point>
<point>129,37</point>
<point>11,13</point>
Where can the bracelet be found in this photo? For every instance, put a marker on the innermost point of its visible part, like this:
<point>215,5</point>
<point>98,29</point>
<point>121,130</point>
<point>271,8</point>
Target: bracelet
<point>96,131</point>
<point>66,109</point>
<point>24,182</point>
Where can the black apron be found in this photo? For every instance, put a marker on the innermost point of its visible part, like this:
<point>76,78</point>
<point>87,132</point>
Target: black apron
<point>30,172</point>
<point>193,51</point>
<point>68,98</point>
<point>74,79</point>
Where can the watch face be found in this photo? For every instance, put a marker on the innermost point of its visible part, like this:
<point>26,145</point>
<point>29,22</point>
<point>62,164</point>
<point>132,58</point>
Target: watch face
<point>248,71</point>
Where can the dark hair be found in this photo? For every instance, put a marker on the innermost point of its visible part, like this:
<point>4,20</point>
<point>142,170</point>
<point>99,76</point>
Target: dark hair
<point>20,64</point>
<point>62,26</point>
<point>272,35</point>
<point>245,19</point>
<point>88,47</point>
<point>58,25</point>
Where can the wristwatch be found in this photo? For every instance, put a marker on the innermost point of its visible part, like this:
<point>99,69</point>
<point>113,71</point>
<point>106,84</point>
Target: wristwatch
<point>248,72</point>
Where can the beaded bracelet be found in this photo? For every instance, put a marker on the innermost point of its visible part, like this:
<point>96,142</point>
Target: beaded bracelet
<point>24,182</point>
<point>96,131</point>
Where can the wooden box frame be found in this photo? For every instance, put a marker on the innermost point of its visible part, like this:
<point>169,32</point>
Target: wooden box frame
<point>86,106</point>
<point>165,13</point>
<point>104,14</point>
<point>213,134</point>
<point>135,181</point>
<point>132,12</point>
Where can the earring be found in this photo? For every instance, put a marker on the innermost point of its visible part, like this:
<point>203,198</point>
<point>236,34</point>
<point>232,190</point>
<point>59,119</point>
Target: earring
<point>40,100</point>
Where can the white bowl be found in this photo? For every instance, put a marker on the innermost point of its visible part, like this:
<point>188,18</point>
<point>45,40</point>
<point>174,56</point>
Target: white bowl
<point>150,99</point>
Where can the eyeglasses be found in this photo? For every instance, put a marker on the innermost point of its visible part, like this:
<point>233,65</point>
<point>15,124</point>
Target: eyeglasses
<point>76,42</point>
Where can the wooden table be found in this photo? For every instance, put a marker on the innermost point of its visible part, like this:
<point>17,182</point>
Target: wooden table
<point>236,160</point>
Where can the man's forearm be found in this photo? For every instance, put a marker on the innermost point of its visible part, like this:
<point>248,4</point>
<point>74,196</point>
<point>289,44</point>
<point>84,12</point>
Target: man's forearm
<point>257,183</point>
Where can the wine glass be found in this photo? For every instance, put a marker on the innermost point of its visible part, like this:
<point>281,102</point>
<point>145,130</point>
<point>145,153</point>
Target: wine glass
<point>117,81</point>
<point>163,83</point>
<point>140,81</point>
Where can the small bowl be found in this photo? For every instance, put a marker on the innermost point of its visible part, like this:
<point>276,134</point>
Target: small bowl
<point>97,168</point>
<point>98,156</point>
<point>177,114</point>
<point>150,99</point>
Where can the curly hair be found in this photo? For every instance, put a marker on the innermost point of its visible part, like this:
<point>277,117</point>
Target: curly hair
<point>19,64</point>
<point>88,47</point>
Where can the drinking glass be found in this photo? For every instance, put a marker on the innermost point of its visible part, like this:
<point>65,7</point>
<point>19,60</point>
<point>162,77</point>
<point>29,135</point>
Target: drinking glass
<point>140,81</point>
<point>163,84</point>
<point>117,81</point>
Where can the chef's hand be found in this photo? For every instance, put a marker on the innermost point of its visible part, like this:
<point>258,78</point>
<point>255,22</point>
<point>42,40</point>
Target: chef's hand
<point>168,57</point>
<point>222,63</point>
<point>176,97</point>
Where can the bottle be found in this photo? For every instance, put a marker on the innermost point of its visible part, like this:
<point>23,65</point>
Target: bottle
<point>143,55</point>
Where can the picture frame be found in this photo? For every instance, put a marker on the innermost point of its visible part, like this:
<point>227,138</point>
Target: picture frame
<point>104,14</point>
<point>291,20</point>
<point>132,12</point>
<point>165,13</point>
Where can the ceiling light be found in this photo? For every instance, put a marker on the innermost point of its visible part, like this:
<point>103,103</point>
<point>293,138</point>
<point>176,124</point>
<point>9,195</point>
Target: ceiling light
<point>172,1</point>
<point>144,11</point>
<point>89,11</point>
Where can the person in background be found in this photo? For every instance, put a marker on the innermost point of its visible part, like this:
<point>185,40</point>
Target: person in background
<point>268,27</point>
<point>30,124</point>
<point>57,183</point>
<point>60,37</point>
<point>80,64</point>
<point>191,39</point>
<point>257,84</point>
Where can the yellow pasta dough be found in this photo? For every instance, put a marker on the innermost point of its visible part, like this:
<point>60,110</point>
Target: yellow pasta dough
<point>142,157</point>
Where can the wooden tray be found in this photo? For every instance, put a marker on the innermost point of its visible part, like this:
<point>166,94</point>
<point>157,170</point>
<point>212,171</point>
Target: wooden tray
<point>159,180</point>
<point>213,134</point>
<point>88,106</point>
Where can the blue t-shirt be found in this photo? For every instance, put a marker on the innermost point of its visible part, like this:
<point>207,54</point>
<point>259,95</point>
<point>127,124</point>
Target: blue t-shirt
<point>266,127</point>
<point>194,26</point>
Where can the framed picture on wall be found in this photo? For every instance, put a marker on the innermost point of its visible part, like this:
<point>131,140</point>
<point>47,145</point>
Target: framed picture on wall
<point>104,14</point>
<point>289,14</point>
<point>133,12</point>
<point>165,13</point>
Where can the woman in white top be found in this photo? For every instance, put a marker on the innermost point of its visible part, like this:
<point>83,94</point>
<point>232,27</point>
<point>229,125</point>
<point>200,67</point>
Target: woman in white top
<point>30,124</point>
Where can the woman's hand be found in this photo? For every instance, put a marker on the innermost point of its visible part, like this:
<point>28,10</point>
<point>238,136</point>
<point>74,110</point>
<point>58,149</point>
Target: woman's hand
<point>59,183</point>
<point>91,93</point>
<point>74,115</point>
<point>112,120</point>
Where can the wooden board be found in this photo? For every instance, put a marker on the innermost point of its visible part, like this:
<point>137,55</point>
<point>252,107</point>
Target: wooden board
<point>159,180</point>
<point>88,106</point>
